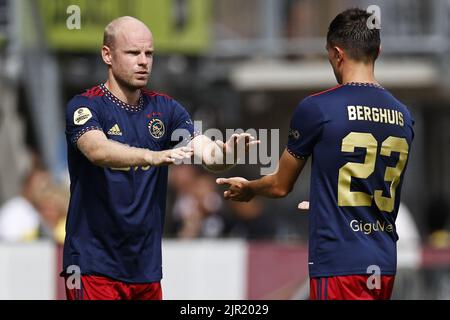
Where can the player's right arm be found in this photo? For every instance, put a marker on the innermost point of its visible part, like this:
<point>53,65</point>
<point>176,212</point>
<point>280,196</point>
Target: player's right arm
<point>277,185</point>
<point>104,152</point>
<point>84,131</point>
<point>305,130</point>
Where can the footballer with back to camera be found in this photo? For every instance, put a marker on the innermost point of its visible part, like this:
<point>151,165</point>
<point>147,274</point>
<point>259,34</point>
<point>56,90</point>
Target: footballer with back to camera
<point>359,137</point>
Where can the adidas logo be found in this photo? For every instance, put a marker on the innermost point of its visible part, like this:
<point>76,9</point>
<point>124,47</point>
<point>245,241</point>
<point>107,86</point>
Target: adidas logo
<point>115,130</point>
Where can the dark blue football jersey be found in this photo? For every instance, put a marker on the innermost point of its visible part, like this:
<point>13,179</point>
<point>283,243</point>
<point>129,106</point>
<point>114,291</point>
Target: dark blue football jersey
<point>116,215</point>
<point>359,137</point>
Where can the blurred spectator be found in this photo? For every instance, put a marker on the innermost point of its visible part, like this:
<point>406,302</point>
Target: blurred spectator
<point>300,19</point>
<point>198,210</point>
<point>408,244</point>
<point>197,206</point>
<point>39,211</point>
<point>209,204</point>
<point>19,216</point>
<point>53,206</point>
<point>251,221</point>
<point>181,180</point>
<point>408,255</point>
<point>437,219</point>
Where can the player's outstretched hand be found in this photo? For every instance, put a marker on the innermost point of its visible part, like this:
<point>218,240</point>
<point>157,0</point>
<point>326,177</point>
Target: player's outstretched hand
<point>232,146</point>
<point>238,189</point>
<point>303,206</point>
<point>166,157</point>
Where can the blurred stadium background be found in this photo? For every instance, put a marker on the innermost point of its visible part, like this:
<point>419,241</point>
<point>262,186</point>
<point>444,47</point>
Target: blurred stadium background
<point>232,64</point>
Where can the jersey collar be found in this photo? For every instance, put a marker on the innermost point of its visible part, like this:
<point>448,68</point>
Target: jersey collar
<point>120,103</point>
<point>363,84</point>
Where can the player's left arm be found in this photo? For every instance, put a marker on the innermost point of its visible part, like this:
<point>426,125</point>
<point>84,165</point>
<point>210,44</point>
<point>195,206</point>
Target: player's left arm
<point>215,155</point>
<point>218,156</point>
<point>276,185</point>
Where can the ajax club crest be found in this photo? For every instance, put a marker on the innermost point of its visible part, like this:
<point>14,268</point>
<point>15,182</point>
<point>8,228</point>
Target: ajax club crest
<point>156,128</point>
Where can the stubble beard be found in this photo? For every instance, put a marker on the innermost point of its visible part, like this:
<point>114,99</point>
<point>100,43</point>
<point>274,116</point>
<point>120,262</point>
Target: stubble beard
<point>129,85</point>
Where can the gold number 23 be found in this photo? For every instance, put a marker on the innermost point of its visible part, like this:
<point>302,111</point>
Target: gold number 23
<point>364,170</point>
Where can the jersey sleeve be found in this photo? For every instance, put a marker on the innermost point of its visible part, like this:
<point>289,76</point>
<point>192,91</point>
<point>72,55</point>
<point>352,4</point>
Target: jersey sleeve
<point>182,127</point>
<point>81,117</point>
<point>413,122</point>
<point>305,129</point>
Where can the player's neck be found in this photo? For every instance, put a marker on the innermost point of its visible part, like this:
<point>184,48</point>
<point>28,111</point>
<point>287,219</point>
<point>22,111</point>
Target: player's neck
<point>360,73</point>
<point>123,94</point>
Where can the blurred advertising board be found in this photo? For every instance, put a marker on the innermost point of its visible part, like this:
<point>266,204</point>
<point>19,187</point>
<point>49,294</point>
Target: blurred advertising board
<point>77,25</point>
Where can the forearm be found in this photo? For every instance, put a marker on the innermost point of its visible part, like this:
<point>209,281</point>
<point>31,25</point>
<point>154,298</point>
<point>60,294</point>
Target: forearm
<point>104,152</point>
<point>216,161</point>
<point>280,183</point>
<point>276,185</point>
<point>269,187</point>
<point>211,154</point>
<point>112,154</point>
<point>108,153</point>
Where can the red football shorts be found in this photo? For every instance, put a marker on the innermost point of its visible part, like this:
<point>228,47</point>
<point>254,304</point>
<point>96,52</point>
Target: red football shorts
<point>103,288</point>
<point>354,287</point>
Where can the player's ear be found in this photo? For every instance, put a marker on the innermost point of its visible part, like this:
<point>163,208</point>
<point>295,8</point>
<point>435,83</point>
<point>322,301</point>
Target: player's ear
<point>338,54</point>
<point>106,55</point>
<point>379,51</point>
